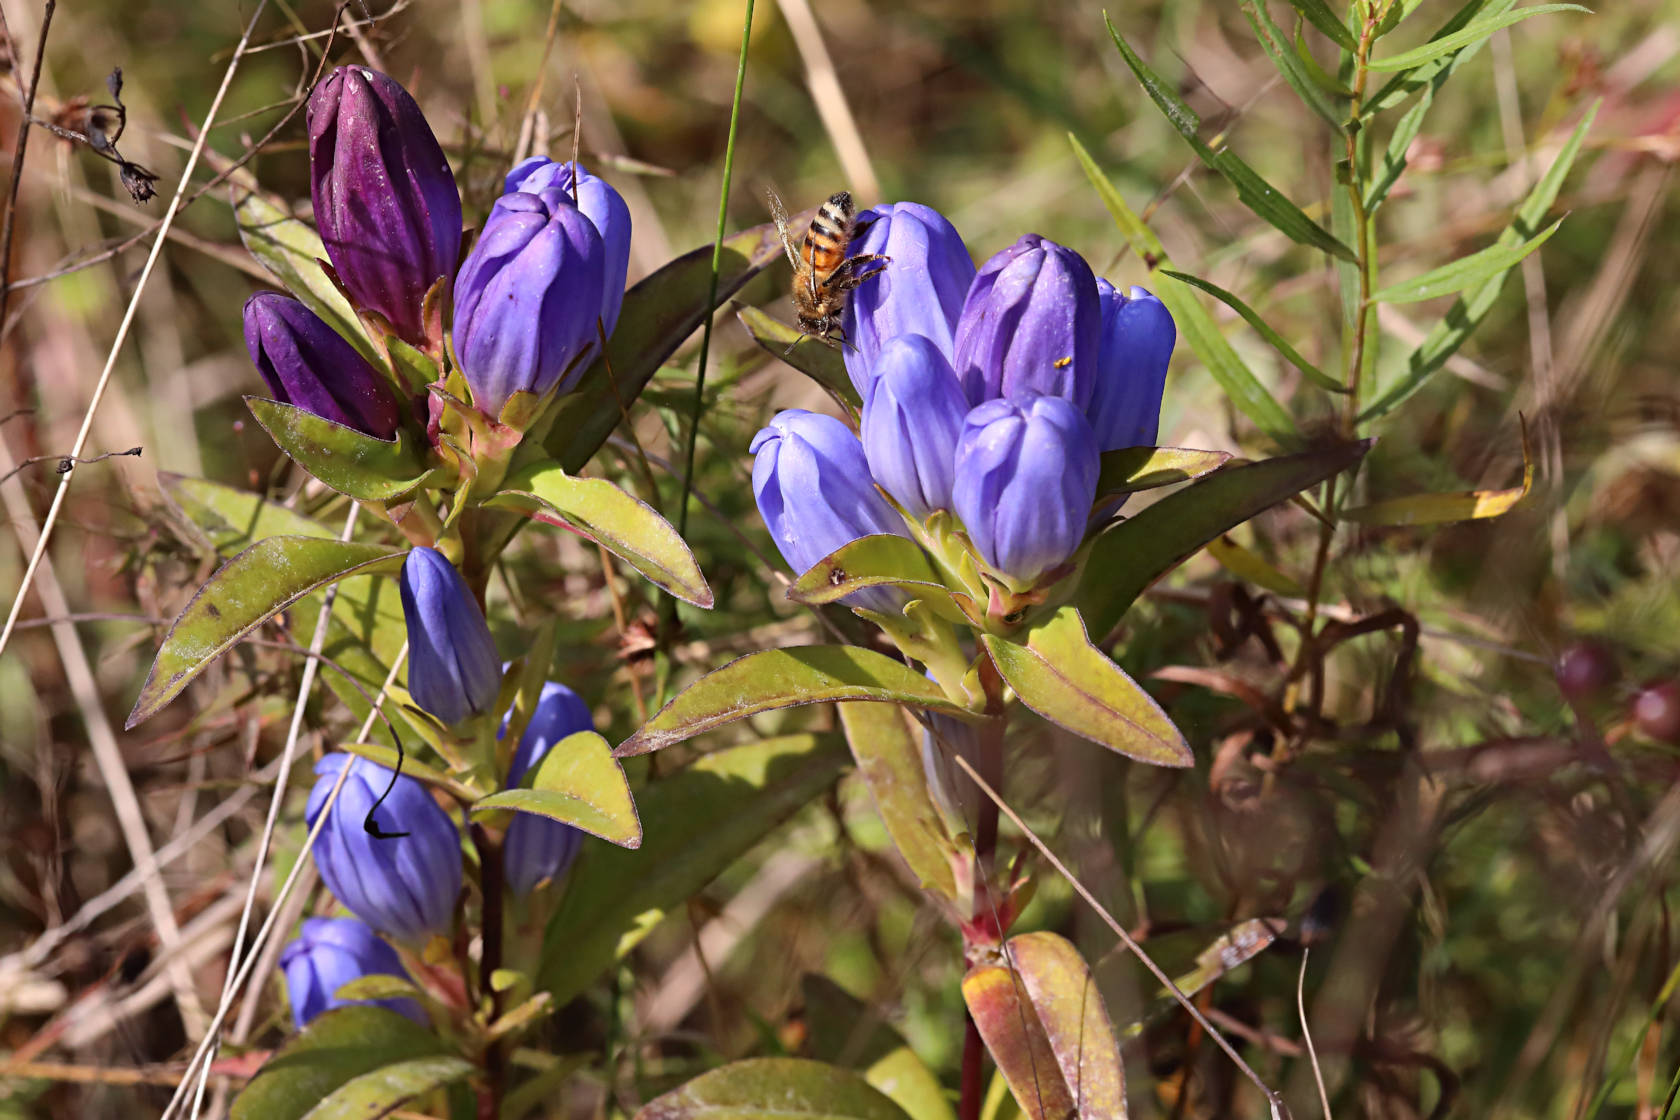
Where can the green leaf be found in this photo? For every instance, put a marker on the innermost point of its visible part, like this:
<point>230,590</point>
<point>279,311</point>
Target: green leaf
<point>247,591</point>
<point>822,364</point>
<point>1432,74</point>
<point>411,768</point>
<point>659,312</point>
<point>580,783</point>
<point>293,252</point>
<point>700,820</point>
<point>377,985</point>
<point>1290,64</point>
<point>1399,147</point>
<point>886,743</point>
<point>234,519</point>
<point>1060,675</point>
<point>1257,194</point>
<point>1468,311</point>
<point>1233,376</point>
<point>880,559</point>
<point>1018,1043</point>
<point>1059,986</point>
<point>1127,470</point>
<point>353,463</point>
<point>1466,272</point>
<point>1467,36</point>
<point>354,1062</point>
<point>774,1089</point>
<point>784,678</point>
<point>1279,343</point>
<point>1318,14</point>
<point>1133,554</point>
<point>847,1033</point>
<point>627,526</point>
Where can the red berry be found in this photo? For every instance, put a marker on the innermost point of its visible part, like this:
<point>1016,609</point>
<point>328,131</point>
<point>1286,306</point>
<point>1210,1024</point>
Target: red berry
<point>1585,669</point>
<point>1656,711</point>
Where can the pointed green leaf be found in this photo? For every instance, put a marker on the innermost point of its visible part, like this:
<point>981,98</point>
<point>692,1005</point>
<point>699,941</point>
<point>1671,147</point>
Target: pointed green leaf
<point>354,463</point>
<point>774,1089</point>
<point>1399,148</point>
<point>784,678</point>
<point>1466,272</point>
<point>247,591</point>
<point>1468,311</point>
<point>628,527</point>
<point>881,559</point>
<point>293,252</point>
<point>1060,675</point>
<point>1474,33</point>
<point>659,312</point>
<point>1433,73</point>
<point>1199,329</point>
<point>822,364</point>
<point>1279,343</point>
<point>411,768</point>
<point>580,783</point>
<point>234,519</point>
<point>1062,993</point>
<point>886,742</point>
<point>1257,194</point>
<point>1132,555</point>
<point>1130,469</point>
<point>1292,65</point>
<point>377,985</point>
<point>354,1062</point>
<point>700,820</point>
<point>847,1033</point>
<point>1318,14</point>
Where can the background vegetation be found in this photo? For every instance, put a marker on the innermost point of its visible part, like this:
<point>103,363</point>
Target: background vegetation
<point>1493,872</point>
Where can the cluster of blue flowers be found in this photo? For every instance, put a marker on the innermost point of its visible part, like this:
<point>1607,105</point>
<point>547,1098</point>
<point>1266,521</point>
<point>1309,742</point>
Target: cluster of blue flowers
<point>544,281</point>
<point>988,393</point>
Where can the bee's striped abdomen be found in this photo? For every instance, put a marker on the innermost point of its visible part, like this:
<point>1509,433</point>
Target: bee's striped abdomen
<point>830,233</point>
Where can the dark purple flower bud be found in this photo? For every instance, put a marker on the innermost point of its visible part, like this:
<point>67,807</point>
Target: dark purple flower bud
<point>951,787</point>
<point>1026,478</point>
<point>527,298</point>
<point>1137,343</point>
<point>405,885</point>
<point>601,205</point>
<point>536,849</point>
<point>385,201</point>
<point>308,364</point>
<point>328,954</point>
<point>814,488</point>
<point>453,670</point>
<point>1031,323</point>
<point>920,292</point>
<point>911,422</point>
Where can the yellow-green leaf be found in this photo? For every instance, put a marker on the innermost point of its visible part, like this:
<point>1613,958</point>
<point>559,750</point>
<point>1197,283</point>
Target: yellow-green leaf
<point>580,783</point>
<point>354,463</point>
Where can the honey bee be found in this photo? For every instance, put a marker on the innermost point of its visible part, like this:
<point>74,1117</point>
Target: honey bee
<point>822,273</point>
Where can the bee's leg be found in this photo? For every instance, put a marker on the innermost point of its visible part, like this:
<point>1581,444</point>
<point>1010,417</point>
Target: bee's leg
<point>853,277</point>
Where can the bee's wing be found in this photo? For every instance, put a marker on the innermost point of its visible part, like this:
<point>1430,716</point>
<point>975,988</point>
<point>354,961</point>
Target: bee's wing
<point>779,214</point>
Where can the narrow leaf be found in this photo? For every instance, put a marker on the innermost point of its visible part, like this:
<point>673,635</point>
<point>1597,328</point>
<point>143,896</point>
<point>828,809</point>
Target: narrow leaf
<point>580,783</point>
<point>1279,343</point>
<point>1245,565</point>
<point>1229,952</point>
<point>1233,376</point>
<point>1257,194</point>
<point>1436,509</point>
<point>353,463</point>
<point>235,519</point>
<point>1138,551</point>
<point>820,363</point>
<point>247,591</point>
<point>1466,272</point>
<point>1468,311</point>
<point>774,1089</point>
<point>1318,14</point>
<point>700,820</point>
<point>1474,33</point>
<point>1130,469</point>
<point>1433,73</point>
<point>784,678</point>
<point>1060,675</point>
<point>628,527</point>
<point>1289,63</point>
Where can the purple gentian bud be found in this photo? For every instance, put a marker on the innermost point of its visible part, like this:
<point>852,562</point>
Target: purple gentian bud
<point>911,422</point>
<point>950,786</point>
<point>453,670</point>
<point>1026,479</point>
<point>385,201</point>
<point>814,488</point>
<point>536,849</point>
<point>328,954</point>
<point>403,885</point>
<point>1137,343</point>
<point>920,292</point>
<point>601,205</point>
<point>527,298</point>
<point>308,364</point>
<point>1031,323</point>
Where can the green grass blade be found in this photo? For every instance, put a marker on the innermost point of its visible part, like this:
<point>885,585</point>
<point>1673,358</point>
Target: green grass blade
<point>1468,36</point>
<point>1279,343</point>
